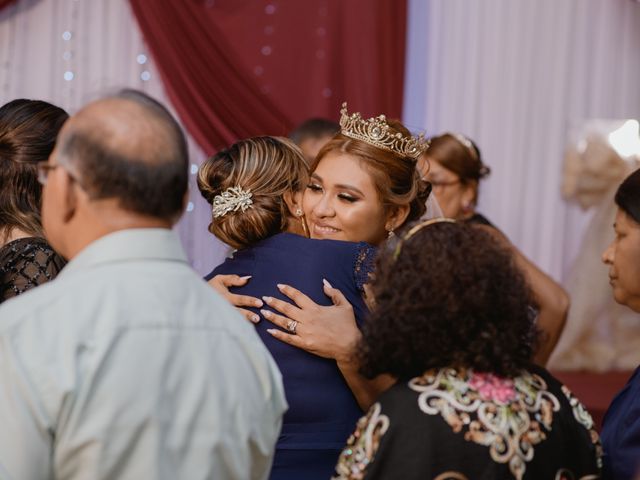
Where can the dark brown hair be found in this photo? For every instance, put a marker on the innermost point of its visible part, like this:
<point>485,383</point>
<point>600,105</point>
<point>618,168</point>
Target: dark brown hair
<point>449,296</point>
<point>314,128</point>
<point>395,176</point>
<point>268,167</point>
<point>459,154</point>
<point>628,196</point>
<point>28,131</point>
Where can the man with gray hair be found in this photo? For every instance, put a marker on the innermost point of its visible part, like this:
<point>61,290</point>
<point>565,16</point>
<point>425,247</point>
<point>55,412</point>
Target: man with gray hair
<point>128,365</point>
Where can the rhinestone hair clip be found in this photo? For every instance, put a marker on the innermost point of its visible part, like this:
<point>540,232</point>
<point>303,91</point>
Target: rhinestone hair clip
<point>233,199</point>
<point>376,132</point>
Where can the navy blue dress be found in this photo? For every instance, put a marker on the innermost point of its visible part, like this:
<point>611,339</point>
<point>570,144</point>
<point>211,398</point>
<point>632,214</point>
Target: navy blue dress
<point>621,433</point>
<point>322,410</point>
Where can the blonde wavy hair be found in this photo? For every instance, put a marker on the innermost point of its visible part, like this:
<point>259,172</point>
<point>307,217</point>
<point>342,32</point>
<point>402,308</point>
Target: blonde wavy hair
<point>268,167</point>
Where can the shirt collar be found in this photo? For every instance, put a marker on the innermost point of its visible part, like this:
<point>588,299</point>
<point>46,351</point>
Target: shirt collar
<point>130,244</point>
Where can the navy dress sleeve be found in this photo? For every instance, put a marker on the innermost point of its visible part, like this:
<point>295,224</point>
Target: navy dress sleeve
<point>621,433</point>
<point>322,409</point>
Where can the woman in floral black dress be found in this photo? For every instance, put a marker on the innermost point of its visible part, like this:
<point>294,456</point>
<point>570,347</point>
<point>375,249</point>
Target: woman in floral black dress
<point>452,323</point>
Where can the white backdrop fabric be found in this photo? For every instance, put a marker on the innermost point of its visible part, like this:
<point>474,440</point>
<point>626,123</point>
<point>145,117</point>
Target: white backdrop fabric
<point>517,76</point>
<point>70,52</point>
<point>513,75</point>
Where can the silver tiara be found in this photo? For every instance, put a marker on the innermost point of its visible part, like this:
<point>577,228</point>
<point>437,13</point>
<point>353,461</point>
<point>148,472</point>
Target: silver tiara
<point>231,200</point>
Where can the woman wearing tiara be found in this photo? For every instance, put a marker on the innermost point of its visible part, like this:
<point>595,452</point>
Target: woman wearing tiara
<point>255,192</point>
<point>454,167</point>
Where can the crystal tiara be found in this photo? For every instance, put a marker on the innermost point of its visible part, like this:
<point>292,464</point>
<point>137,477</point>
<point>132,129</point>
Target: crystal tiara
<point>376,132</point>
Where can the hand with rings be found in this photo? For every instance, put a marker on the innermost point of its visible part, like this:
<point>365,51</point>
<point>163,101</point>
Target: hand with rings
<point>329,332</point>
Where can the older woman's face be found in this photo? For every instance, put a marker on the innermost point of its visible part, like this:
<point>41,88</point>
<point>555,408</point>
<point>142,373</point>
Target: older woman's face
<point>341,202</point>
<point>623,258</point>
<point>455,198</point>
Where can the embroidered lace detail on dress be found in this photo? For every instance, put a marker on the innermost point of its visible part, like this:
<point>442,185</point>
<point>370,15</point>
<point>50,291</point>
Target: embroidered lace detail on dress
<point>584,418</point>
<point>27,263</point>
<point>364,264</point>
<point>362,445</point>
<point>509,416</point>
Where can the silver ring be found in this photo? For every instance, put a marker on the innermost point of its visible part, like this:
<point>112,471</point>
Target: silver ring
<point>291,326</point>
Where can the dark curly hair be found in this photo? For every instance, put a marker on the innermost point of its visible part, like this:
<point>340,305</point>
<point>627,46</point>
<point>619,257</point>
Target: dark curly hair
<point>451,296</point>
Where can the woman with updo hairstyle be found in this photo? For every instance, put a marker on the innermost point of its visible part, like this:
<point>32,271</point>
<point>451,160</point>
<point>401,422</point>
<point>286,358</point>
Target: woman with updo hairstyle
<point>28,131</point>
<point>255,188</point>
<point>268,167</point>
<point>454,166</point>
<point>350,176</point>
<point>452,323</point>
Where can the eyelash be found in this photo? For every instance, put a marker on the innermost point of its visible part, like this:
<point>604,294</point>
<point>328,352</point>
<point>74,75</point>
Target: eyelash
<point>347,198</point>
<point>314,187</point>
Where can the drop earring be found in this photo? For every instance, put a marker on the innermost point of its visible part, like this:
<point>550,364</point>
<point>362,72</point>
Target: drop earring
<point>303,222</point>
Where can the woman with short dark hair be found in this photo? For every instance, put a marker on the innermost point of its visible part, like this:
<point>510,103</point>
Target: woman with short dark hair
<point>28,131</point>
<point>621,429</point>
<point>452,322</point>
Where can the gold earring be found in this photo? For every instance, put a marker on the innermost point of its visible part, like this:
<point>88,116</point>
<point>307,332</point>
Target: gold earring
<point>303,221</point>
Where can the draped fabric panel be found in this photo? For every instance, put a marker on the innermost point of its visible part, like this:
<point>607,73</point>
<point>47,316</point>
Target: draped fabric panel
<point>70,52</point>
<point>517,77</point>
<point>4,3</point>
<point>240,68</point>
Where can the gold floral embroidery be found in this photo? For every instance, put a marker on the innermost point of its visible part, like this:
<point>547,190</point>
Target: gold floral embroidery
<point>362,445</point>
<point>511,415</point>
<point>583,417</point>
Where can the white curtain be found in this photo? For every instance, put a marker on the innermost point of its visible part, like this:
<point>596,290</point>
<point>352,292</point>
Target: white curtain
<point>516,76</point>
<point>69,52</point>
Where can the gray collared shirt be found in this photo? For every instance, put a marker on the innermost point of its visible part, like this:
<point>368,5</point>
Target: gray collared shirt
<point>129,366</point>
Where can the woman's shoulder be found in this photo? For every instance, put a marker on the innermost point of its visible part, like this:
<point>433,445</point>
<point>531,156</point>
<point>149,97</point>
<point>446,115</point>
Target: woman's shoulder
<point>26,263</point>
<point>27,250</point>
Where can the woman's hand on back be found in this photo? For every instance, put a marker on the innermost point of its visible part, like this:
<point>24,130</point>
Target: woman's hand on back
<point>222,283</point>
<point>326,331</point>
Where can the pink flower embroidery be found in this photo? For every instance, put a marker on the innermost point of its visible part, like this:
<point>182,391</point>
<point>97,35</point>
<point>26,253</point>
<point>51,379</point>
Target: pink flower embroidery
<point>493,388</point>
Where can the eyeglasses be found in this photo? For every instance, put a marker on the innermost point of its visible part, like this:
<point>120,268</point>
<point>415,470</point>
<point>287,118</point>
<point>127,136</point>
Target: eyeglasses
<point>442,183</point>
<point>45,168</point>
<point>43,171</point>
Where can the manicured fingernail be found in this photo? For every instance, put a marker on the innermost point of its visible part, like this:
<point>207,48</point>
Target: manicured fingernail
<point>266,313</point>
<point>258,303</point>
<point>326,283</point>
<point>267,299</point>
<point>247,277</point>
<point>280,286</point>
<point>271,330</point>
<point>255,318</point>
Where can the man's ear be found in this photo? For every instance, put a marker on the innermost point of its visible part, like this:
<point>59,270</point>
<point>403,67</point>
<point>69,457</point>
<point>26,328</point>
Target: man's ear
<point>294,203</point>
<point>70,193</point>
<point>397,216</point>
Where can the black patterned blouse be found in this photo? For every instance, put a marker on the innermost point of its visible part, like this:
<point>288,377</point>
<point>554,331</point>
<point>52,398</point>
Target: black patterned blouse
<point>26,263</point>
<point>452,424</point>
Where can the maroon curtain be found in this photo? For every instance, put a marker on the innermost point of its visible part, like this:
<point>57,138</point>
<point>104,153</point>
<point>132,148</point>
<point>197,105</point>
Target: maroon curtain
<point>239,68</point>
<point>4,3</point>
